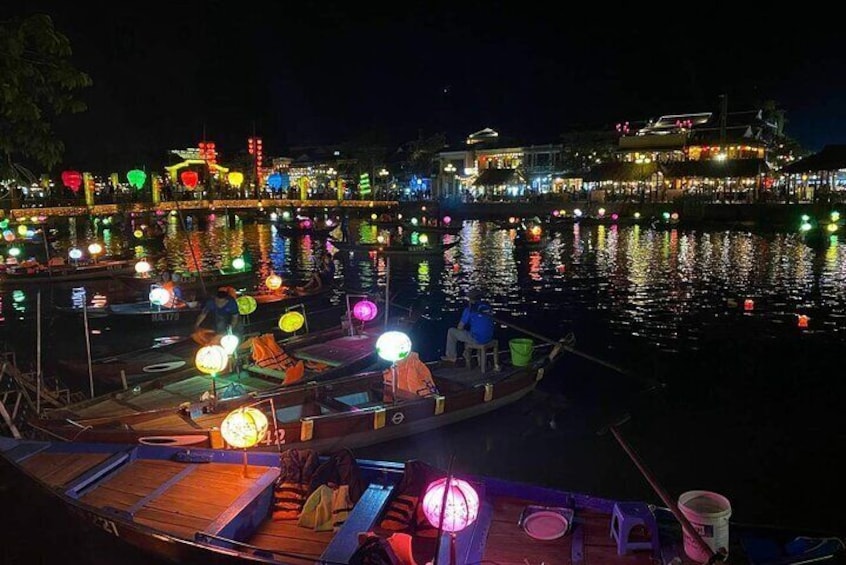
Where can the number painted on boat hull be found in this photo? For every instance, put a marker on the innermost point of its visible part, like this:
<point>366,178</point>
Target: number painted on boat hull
<point>165,317</point>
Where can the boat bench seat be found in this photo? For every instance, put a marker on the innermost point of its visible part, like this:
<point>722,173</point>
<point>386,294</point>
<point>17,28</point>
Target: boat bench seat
<point>362,518</point>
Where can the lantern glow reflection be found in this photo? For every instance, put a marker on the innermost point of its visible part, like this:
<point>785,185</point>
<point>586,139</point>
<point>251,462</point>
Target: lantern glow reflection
<point>244,427</point>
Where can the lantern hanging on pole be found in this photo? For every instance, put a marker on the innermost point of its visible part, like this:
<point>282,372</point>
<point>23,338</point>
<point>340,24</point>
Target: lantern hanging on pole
<point>142,267</point>
<point>235,178</point>
<point>229,343</point>
<point>273,282</point>
<point>243,428</point>
<point>365,311</point>
<point>136,178</point>
<point>246,305</point>
<point>393,346</point>
<point>211,359</point>
<point>291,321</point>
<point>160,296</point>
<point>451,505</point>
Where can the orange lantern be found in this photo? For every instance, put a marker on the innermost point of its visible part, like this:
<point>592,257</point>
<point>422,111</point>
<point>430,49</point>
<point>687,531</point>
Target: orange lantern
<point>273,282</point>
<point>803,320</point>
<point>748,304</point>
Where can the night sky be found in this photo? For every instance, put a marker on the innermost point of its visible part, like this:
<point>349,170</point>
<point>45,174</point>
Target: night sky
<point>324,73</point>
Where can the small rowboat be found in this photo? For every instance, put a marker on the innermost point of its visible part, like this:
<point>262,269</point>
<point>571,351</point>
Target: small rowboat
<point>100,270</point>
<point>191,280</point>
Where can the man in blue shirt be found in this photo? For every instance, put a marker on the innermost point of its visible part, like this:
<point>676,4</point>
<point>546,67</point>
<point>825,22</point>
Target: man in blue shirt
<point>476,326</point>
<point>224,310</point>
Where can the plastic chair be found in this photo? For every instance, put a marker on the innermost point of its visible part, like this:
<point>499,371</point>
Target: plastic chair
<point>627,516</point>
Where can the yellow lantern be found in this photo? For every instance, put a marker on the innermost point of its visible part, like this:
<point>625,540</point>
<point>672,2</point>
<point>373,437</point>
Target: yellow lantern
<point>273,282</point>
<point>211,359</point>
<point>95,248</point>
<point>235,178</point>
<point>22,229</point>
<point>244,427</point>
<point>138,234</point>
<point>291,321</point>
<point>246,305</point>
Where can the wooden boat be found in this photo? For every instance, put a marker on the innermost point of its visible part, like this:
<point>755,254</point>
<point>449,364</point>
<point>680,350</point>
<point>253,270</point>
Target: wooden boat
<point>191,280</point>
<point>192,505</point>
<point>430,249</point>
<point>105,268</point>
<point>324,414</point>
<point>292,229</point>
<point>173,362</point>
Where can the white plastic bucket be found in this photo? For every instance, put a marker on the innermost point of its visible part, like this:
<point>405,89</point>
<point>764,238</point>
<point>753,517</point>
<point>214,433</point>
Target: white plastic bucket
<point>709,514</point>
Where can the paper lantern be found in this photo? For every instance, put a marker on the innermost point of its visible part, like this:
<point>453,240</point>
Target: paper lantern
<point>229,343</point>
<point>274,181</point>
<point>95,248</point>
<point>373,216</point>
<point>211,359</point>
<point>138,234</point>
<point>674,216</point>
<point>803,320</point>
<point>393,346</point>
<point>246,305</point>
<point>75,254</point>
<point>461,508</point>
<point>160,296</point>
<point>614,216</point>
<point>239,264</point>
<point>189,178</point>
<point>601,212</point>
<point>748,304</point>
<point>414,221</point>
<point>556,213</point>
<point>22,229</point>
<point>447,220</point>
<point>136,178</point>
<point>286,215</point>
<point>142,267</point>
<point>577,212</point>
<point>9,235</point>
<point>244,427</point>
<point>72,180</point>
<point>235,178</point>
<point>14,252</point>
<point>365,310</point>
<point>535,231</point>
<point>423,239</point>
<point>291,321</point>
<point>512,220</point>
<point>273,282</point>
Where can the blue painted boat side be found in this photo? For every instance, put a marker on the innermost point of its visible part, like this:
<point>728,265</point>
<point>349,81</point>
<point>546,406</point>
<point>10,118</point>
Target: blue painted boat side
<point>92,477</point>
<point>249,510</point>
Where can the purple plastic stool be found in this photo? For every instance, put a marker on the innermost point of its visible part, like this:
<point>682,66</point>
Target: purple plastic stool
<point>626,516</point>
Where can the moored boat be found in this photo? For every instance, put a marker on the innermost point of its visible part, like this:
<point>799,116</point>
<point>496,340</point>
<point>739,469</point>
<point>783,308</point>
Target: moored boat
<point>191,280</point>
<point>428,249</point>
<point>193,505</point>
<point>105,268</point>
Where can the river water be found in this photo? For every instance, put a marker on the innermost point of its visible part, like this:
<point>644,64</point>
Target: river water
<point>748,404</point>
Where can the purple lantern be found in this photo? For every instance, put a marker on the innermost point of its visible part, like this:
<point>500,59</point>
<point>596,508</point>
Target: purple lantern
<point>365,311</point>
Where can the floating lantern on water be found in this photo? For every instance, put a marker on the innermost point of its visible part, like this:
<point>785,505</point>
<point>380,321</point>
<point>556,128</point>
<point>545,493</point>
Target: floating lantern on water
<point>22,229</point>
<point>802,321</point>
<point>286,215</point>
<point>243,428</point>
<point>160,296</point>
<point>142,267</point>
<point>9,235</point>
<point>274,216</point>
<point>189,178</point>
<point>239,264</point>
<point>614,217</point>
<point>666,216</point>
<point>365,310</point>
<point>229,343</point>
<point>273,282</point>
<point>136,178</point>
<point>95,248</point>
<point>561,268</point>
<point>211,359</point>
<point>138,234</point>
<point>451,505</point>
<point>393,346</point>
<point>556,213</point>
<point>832,228</point>
<point>423,239</point>
<point>291,321</point>
<point>748,304</point>
<point>806,226</point>
<point>674,216</point>
<point>246,305</point>
<point>805,218</point>
<point>373,216</point>
<point>4,223</point>
<point>75,254</point>
<point>637,215</point>
<point>512,220</point>
<point>835,216</point>
<point>329,222</point>
<point>380,239</point>
<point>535,231</point>
<point>577,212</point>
<point>601,212</point>
<point>305,224</point>
<point>414,221</point>
<point>14,252</point>
<point>447,220</point>
<point>18,296</point>
<point>399,216</point>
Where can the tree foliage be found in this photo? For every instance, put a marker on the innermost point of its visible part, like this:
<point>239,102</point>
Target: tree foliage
<point>37,83</point>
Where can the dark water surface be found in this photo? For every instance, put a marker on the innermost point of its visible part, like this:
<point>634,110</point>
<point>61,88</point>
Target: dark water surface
<point>751,404</point>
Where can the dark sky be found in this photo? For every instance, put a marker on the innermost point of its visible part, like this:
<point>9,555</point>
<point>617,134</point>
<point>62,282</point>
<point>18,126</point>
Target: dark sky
<point>319,73</point>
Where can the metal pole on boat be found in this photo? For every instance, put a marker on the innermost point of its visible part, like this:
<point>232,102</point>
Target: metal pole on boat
<point>47,251</point>
<point>87,343</point>
<point>665,498</point>
<point>191,247</point>
<point>387,289</point>
<point>435,559</point>
<point>38,354</point>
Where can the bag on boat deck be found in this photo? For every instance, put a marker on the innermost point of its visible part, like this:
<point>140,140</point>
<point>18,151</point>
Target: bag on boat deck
<point>402,513</point>
<point>292,488</point>
<point>326,509</point>
<point>268,354</point>
<point>340,469</point>
<point>414,379</point>
<point>375,551</point>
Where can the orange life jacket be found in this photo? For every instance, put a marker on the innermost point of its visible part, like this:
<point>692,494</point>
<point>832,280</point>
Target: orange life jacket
<point>414,379</point>
<point>268,354</point>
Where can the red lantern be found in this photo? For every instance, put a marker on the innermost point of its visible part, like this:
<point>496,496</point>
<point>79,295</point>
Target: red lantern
<point>748,304</point>
<point>72,180</point>
<point>803,320</point>
<point>189,178</point>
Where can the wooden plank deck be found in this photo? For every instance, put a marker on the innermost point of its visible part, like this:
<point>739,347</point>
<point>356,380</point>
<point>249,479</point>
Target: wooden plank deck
<point>287,536</point>
<point>337,352</point>
<point>508,544</point>
<point>199,493</point>
<point>58,469</point>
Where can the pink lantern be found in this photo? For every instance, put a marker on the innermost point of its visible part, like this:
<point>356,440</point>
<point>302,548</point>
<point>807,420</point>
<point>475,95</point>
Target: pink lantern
<point>72,180</point>
<point>305,224</point>
<point>189,178</point>
<point>365,311</point>
<point>462,504</point>
<point>447,220</point>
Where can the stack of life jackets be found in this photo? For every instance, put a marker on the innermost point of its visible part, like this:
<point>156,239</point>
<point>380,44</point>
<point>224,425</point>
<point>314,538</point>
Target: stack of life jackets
<point>268,354</point>
<point>405,510</point>
<point>414,379</point>
<point>320,497</point>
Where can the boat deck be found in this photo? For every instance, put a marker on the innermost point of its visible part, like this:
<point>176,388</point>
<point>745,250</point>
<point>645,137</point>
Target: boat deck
<point>286,536</point>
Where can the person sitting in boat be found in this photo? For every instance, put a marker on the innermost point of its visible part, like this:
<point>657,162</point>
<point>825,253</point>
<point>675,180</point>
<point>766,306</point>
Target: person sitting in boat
<point>170,282</point>
<point>476,326</point>
<point>323,276</point>
<point>224,311</point>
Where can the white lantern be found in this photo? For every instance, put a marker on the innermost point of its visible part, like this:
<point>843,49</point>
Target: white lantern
<point>393,346</point>
<point>160,296</point>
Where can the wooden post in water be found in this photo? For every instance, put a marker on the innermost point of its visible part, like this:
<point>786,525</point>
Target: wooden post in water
<point>87,342</point>
<point>38,354</point>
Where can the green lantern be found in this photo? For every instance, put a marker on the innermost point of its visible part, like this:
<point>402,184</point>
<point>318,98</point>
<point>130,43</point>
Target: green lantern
<point>136,178</point>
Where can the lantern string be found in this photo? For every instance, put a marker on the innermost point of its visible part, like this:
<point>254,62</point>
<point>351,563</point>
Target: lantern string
<point>443,511</point>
